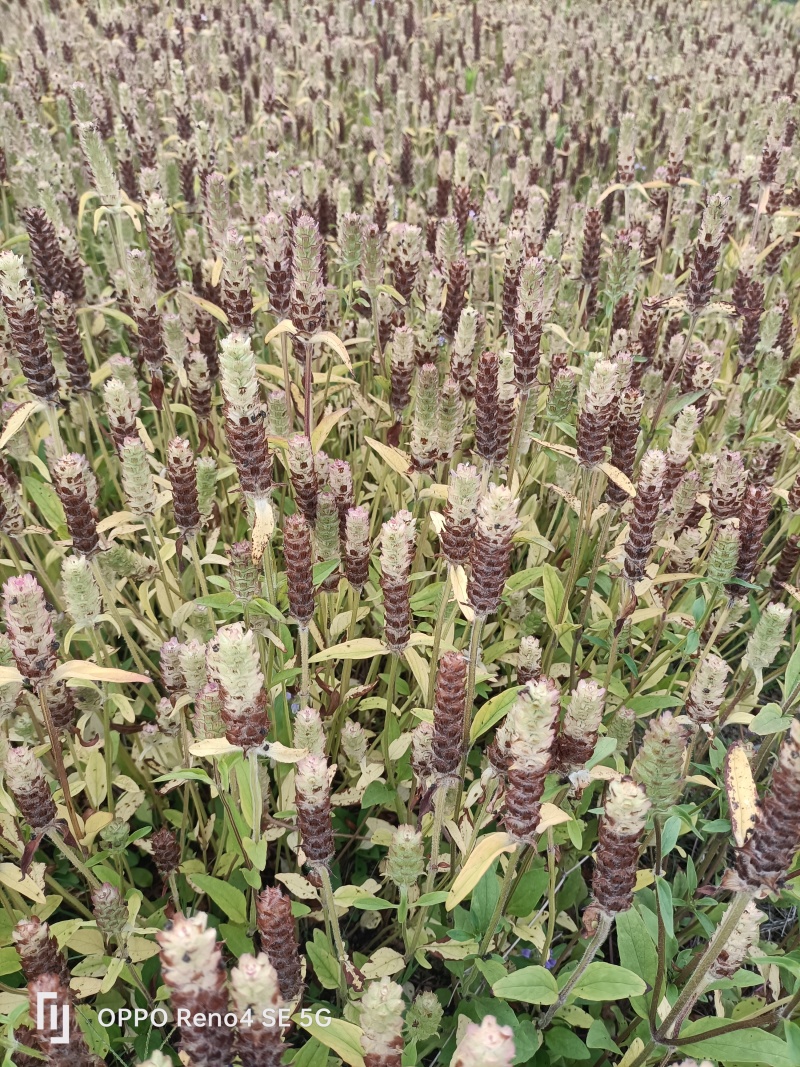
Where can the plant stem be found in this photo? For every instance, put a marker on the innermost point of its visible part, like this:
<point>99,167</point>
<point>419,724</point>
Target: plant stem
<point>305,684</point>
<point>58,759</point>
<point>604,924</point>
<point>330,911</point>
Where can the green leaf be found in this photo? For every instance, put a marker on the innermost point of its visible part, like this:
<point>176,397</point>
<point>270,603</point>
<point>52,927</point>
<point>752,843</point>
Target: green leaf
<point>492,712</point>
<point>531,985</point>
<point>770,720</point>
<point>562,1042</point>
<point>739,1046</point>
<point>342,1037</point>
<point>606,981</point>
<point>47,503</point>
<point>227,897</point>
<point>636,949</point>
<point>792,672</point>
<point>9,961</point>
<point>553,593</point>
<point>599,1037</point>
<point>439,897</point>
<point>325,964</point>
<point>324,570</point>
<point>373,904</point>
<point>669,835</point>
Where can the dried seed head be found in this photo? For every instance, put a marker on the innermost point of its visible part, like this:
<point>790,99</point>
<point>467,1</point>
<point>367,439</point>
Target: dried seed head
<point>26,328</point>
<point>764,860</point>
<point>238,378</point>
<point>94,149</point>
<point>237,298</point>
<point>425,427</point>
<point>767,637</point>
<point>26,782</point>
<point>707,689</point>
<point>38,950</point>
<point>396,554</point>
<point>80,590</point>
<point>183,480</point>
<point>73,480</point>
<point>137,478</point>
<point>529,661</point>
<point>422,751</point>
<point>451,418</point>
<point>122,405</point>
<point>242,573</point>
<point>738,946</point>
<point>485,1044</point>
<point>578,736</point>
<point>646,506</point>
<point>308,294</point>
<point>490,554</point>
<point>29,627</point>
<point>233,662</point>
<point>724,554</point>
<point>206,472</point>
<point>278,939</point>
<point>597,410</point>
<point>166,852</point>
<point>448,713</point>
<point>707,252</point>
<point>303,473</point>
<point>65,325</point>
<point>354,742</point>
<point>460,514</point>
<point>314,809</point>
<point>192,657</point>
<point>110,911</point>
<point>621,828</point>
<point>381,1019</point>
<point>401,368</point>
<point>357,547</point>
<point>405,860</point>
<point>659,763</point>
<point>308,732</point>
<point>299,568</point>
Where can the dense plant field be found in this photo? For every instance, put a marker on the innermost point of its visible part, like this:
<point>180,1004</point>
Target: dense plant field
<point>400,522</point>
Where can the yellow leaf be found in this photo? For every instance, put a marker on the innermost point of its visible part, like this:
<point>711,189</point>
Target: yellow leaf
<point>11,876</point>
<point>418,667</point>
<point>550,815</point>
<point>360,648</point>
<point>397,459</point>
<point>287,326</point>
<point>88,671</point>
<point>328,338</point>
<point>488,849</point>
<point>383,963</point>
<point>216,272</point>
<point>139,948</point>
<point>607,192</point>
<point>341,1037</point>
<point>634,1049</point>
<point>281,754</point>
<point>326,424</point>
<point>98,215</point>
<point>18,420</point>
<point>644,878</point>
<point>212,746</point>
<point>9,674</point>
<point>618,478</point>
<point>298,886</point>
<point>263,528</point>
<point>206,305</point>
<point>90,194</point>
<point>559,331</point>
<point>741,791</point>
<point>459,580</point>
